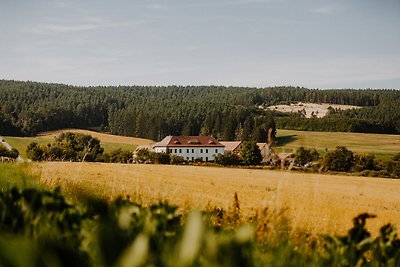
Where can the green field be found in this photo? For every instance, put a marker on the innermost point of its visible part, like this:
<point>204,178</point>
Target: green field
<point>383,146</point>
<point>21,143</point>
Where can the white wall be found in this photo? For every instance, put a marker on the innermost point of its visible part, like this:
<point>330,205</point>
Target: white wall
<point>192,153</point>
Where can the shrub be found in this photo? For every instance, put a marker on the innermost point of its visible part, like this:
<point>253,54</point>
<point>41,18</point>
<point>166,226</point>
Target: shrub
<point>4,152</point>
<point>160,158</point>
<point>364,162</point>
<point>227,159</point>
<point>176,160</point>
<point>304,156</point>
<point>341,159</point>
<point>35,152</point>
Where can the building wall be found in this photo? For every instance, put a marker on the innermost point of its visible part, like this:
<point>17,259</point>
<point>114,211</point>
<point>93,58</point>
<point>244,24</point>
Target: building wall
<point>192,153</point>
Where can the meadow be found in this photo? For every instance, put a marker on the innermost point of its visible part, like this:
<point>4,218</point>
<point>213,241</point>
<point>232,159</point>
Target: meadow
<point>314,203</point>
<point>383,146</point>
<point>108,141</point>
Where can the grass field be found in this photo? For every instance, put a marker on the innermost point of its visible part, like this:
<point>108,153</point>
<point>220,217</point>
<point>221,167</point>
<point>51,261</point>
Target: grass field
<point>108,142</point>
<point>316,203</point>
<point>384,146</point>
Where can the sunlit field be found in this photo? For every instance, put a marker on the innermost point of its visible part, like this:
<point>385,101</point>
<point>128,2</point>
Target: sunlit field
<point>316,203</point>
<point>108,142</point>
<point>383,146</point>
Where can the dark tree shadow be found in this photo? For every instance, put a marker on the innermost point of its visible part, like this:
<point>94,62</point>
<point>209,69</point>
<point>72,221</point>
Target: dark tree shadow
<point>283,140</point>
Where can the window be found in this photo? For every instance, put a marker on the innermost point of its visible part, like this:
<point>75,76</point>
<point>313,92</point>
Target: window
<point>180,150</point>
<point>176,150</point>
<point>192,158</point>
<point>216,151</point>
<point>206,150</point>
<point>206,158</point>
<point>187,150</point>
<point>201,150</point>
<point>192,150</point>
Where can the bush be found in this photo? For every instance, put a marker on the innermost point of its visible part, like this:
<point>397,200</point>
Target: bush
<point>35,152</point>
<point>160,158</point>
<point>176,160</point>
<point>228,159</point>
<point>364,162</point>
<point>4,152</point>
<point>341,159</point>
<point>304,156</point>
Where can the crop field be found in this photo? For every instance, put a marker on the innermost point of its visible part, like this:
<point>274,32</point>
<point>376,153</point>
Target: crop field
<point>319,204</point>
<point>383,146</point>
<point>108,142</point>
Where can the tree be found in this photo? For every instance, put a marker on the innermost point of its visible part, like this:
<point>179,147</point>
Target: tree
<point>250,153</point>
<point>304,156</point>
<point>34,152</point>
<point>341,159</point>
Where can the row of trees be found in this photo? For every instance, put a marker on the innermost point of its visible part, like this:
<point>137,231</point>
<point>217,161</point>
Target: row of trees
<point>344,160</point>
<point>76,147</point>
<point>152,112</point>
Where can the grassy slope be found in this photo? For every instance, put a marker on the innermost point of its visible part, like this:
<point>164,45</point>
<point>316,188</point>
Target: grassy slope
<point>108,141</point>
<point>318,203</point>
<point>384,146</point>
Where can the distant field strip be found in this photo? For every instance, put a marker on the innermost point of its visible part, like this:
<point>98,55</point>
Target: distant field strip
<point>108,141</point>
<point>384,146</point>
<point>318,203</point>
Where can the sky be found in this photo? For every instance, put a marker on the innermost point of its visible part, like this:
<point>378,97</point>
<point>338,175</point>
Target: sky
<point>255,43</point>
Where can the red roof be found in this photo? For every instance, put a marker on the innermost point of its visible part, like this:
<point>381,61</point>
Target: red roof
<point>188,141</point>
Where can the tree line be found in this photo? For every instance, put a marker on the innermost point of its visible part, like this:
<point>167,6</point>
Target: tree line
<point>153,112</point>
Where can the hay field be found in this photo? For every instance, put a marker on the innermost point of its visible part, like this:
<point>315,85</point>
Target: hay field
<point>108,141</point>
<point>384,146</point>
<point>317,203</point>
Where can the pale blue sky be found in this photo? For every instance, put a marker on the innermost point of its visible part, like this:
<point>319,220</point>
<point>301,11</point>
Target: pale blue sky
<point>311,43</point>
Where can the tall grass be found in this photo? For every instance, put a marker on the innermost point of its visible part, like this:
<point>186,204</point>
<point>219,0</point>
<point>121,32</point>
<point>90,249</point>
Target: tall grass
<point>18,175</point>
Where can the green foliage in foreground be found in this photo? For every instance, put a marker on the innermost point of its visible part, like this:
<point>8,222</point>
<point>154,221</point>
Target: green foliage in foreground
<point>41,228</point>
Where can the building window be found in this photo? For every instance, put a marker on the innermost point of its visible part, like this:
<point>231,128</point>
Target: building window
<point>206,150</point>
<point>192,150</point>
<point>187,150</point>
<point>192,158</point>
<point>176,150</point>
<point>206,158</point>
<point>180,150</point>
<point>216,151</point>
<point>201,150</point>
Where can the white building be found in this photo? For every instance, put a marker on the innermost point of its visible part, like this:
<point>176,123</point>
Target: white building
<point>190,147</point>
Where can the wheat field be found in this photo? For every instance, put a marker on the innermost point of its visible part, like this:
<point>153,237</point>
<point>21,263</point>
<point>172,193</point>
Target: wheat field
<point>319,204</point>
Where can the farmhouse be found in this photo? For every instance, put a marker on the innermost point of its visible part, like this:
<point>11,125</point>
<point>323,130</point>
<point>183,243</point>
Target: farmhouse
<point>232,146</point>
<point>190,148</point>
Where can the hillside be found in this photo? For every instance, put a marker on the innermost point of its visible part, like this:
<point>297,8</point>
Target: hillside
<point>383,146</point>
<point>152,112</point>
<point>108,142</point>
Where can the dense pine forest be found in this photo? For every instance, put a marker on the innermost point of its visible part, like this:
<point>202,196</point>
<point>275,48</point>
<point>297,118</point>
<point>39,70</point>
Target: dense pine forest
<point>229,113</point>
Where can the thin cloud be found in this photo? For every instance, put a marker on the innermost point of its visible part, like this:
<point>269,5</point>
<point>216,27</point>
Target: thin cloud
<point>325,10</point>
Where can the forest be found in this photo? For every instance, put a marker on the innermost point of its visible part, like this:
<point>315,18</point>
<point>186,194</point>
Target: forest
<point>229,113</point>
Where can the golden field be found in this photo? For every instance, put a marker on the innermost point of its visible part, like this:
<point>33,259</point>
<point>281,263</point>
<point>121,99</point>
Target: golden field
<point>320,204</point>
